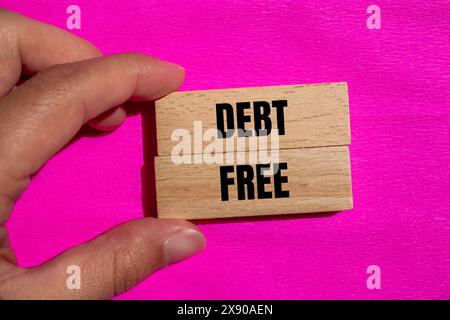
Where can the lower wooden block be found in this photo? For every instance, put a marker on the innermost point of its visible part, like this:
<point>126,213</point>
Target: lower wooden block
<point>308,180</point>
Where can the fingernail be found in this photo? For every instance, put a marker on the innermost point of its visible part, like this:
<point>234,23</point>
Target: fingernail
<point>182,245</point>
<point>180,67</point>
<point>174,64</point>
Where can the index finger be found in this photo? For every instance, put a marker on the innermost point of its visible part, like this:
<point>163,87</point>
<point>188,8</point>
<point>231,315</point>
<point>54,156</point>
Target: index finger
<point>42,115</point>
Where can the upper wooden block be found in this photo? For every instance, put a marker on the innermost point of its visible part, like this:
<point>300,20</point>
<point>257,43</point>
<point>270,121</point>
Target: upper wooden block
<point>313,115</point>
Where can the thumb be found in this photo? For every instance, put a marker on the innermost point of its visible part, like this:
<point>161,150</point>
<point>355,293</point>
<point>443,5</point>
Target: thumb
<point>112,263</point>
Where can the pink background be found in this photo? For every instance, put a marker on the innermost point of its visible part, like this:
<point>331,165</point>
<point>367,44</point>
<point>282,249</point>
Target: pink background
<point>399,84</point>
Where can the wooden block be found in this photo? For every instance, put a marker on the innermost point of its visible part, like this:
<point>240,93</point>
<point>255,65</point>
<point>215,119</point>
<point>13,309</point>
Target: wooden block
<point>310,124</point>
<point>310,180</point>
<point>312,115</point>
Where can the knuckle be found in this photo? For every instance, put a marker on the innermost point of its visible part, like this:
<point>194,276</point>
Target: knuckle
<point>138,63</point>
<point>123,264</point>
<point>56,87</point>
<point>55,72</point>
<point>125,275</point>
<point>61,78</point>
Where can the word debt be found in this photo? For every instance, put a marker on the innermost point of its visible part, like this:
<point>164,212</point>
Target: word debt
<point>262,120</point>
<point>252,181</point>
<point>299,116</point>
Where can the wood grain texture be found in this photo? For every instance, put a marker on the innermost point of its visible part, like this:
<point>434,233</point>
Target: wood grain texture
<point>316,114</point>
<point>318,181</point>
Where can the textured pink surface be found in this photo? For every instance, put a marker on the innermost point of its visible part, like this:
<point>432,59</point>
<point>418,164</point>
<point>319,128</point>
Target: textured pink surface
<point>399,84</point>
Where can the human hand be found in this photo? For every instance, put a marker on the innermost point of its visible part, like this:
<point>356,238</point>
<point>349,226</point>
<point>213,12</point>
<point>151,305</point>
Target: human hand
<point>38,117</point>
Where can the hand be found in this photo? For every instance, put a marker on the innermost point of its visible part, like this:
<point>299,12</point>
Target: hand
<point>72,85</point>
